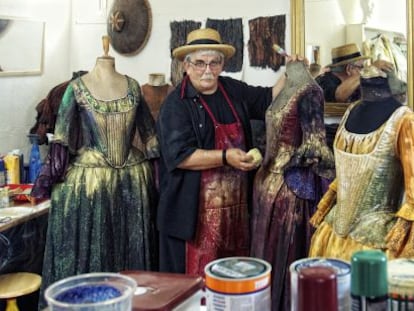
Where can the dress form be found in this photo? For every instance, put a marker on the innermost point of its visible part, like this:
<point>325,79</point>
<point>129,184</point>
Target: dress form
<point>103,81</point>
<point>155,91</point>
<point>376,106</point>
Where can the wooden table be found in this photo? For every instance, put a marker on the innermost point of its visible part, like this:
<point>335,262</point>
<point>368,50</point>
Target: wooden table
<point>39,209</point>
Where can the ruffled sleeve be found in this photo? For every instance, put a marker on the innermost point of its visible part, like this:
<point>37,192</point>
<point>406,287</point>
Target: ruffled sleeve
<point>325,204</point>
<point>313,156</point>
<point>52,171</point>
<point>68,128</point>
<point>400,239</point>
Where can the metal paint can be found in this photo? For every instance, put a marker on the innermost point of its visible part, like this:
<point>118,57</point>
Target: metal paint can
<point>343,274</point>
<point>238,283</point>
<point>401,284</point>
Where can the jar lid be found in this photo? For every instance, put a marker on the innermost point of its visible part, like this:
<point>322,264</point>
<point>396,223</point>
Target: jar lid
<point>369,273</point>
<point>317,289</point>
<point>401,276</point>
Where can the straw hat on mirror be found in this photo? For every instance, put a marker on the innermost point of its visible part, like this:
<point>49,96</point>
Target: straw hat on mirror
<point>203,39</point>
<point>346,54</point>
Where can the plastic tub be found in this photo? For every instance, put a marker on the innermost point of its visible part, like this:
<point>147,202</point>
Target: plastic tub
<point>90,292</point>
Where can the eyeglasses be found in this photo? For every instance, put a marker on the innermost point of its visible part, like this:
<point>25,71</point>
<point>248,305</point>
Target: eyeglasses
<point>202,65</point>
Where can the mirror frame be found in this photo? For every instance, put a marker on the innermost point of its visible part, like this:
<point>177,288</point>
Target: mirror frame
<point>297,10</point>
<point>38,70</point>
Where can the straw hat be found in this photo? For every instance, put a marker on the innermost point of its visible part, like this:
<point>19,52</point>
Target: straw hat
<point>203,39</point>
<point>346,54</point>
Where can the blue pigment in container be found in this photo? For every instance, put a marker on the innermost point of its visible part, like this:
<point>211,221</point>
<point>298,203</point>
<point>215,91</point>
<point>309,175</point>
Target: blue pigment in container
<point>88,294</point>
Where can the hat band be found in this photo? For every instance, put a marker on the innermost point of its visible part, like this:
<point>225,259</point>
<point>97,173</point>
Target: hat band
<point>340,59</point>
<point>204,41</point>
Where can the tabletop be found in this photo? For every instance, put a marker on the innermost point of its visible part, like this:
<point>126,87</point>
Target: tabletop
<point>17,214</point>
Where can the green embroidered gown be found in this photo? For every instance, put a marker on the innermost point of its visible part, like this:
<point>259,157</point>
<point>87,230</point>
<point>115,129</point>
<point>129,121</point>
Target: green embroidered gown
<point>102,209</point>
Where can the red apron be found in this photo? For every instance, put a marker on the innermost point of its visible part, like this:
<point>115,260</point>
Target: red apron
<point>223,223</point>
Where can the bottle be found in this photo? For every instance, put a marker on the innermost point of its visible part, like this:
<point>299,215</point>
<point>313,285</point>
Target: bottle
<point>35,162</point>
<point>3,175</point>
<point>18,153</point>
<point>369,286</point>
<point>12,163</point>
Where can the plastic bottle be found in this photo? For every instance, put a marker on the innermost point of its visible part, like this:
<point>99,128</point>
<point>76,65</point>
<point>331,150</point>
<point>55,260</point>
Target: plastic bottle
<point>3,176</point>
<point>35,162</point>
<point>18,153</point>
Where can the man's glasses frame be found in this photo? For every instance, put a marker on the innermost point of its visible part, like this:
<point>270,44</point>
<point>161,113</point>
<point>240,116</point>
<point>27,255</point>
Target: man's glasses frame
<point>202,65</point>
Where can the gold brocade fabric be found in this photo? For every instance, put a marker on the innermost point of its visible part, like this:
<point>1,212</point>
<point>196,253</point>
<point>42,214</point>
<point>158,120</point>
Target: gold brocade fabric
<point>372,172</point>
<point>115,131</point>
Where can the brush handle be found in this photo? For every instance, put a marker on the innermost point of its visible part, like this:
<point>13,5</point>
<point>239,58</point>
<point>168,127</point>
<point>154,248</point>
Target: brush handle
<point>278,49</point>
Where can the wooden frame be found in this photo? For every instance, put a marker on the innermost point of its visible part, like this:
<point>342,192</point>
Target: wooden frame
<point>22,42</point>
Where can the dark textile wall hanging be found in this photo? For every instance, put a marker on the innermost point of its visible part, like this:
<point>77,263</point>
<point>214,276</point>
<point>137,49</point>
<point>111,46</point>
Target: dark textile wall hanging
<point>264,32</point>
<point>179,31</point>
<point>231,32</point>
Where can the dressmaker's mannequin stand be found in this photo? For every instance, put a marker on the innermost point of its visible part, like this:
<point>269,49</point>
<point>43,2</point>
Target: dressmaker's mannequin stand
<point>103,81</point>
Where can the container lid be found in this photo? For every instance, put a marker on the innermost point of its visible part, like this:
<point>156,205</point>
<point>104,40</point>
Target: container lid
<point>369,273</point>
<point>401,276</point>
<point>162,291</point>
<point>341,267</point>
<point>317,289</point>
<point>237,267</point>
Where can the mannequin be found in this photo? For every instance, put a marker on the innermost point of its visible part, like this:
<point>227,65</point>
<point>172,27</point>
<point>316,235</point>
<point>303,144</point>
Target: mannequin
<point>103,81</point>
<point>297,167</point>
<point>376,106</point>
<point>101,185</point>
<point>155,91</point>
<point>374,148</point>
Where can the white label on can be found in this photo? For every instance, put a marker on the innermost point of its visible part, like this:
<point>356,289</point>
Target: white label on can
<point>257,301</point>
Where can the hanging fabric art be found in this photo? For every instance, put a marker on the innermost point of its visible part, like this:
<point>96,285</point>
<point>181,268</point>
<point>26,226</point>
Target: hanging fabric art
<point>179,31</point>
<point>231,32</point>
<point>264,32</point>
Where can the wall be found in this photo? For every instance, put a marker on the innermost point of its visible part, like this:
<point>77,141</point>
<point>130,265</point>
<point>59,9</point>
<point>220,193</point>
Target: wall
<point>19,95</point>
<point>73,41</point>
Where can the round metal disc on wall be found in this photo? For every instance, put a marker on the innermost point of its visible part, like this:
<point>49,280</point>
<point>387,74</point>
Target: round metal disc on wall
<point>129,25</point>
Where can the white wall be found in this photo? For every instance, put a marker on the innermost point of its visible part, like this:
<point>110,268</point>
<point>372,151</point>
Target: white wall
<point>19,95</point>
<point>73,41</point>
<point>155,57</point>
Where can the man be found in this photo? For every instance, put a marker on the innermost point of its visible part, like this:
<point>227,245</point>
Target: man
<point>340,82</point>
<point>204,131</point>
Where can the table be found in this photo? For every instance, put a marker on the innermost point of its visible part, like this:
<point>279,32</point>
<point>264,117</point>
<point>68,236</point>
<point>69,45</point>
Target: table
<point>39,209</point>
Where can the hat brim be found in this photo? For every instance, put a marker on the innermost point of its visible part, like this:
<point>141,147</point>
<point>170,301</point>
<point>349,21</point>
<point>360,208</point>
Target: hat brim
<point>182,51</point>
<point>348,61</point>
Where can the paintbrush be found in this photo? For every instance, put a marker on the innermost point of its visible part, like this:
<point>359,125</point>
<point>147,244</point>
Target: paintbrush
<point>278,49</point>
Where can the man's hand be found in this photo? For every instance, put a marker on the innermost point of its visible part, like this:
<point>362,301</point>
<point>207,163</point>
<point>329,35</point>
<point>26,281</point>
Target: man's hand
<point>383,65</point>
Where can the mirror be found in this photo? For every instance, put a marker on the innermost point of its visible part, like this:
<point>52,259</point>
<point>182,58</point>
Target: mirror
<point>299,43</point>
<point>21,47</point>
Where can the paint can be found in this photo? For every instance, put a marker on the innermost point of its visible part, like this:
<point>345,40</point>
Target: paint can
<point>343,274</point>
<point>401,284</point>
<point>238,283</point>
